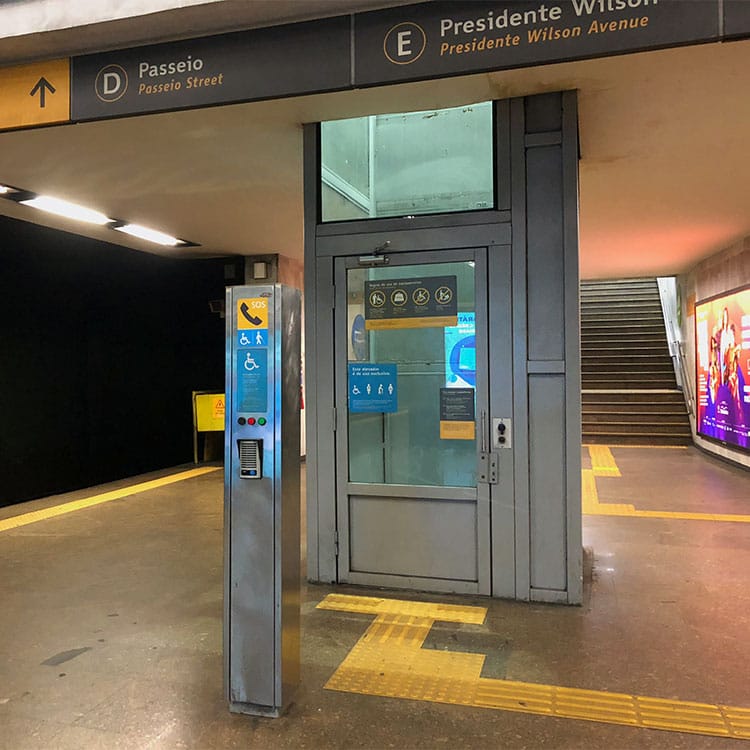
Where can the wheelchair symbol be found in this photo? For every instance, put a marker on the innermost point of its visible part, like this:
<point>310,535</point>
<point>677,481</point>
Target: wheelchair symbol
<point>250,363</point>
<point>244,340</point>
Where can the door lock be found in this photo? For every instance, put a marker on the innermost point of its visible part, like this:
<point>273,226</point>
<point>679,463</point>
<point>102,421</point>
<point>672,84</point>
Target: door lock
<point>501,433</point>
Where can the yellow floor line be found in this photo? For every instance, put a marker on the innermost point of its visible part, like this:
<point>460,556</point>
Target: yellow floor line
<point>388,660</point>
<point>87,502</point>
<point>685,516</point>
<point>603,464</point>
<point>640,447</point>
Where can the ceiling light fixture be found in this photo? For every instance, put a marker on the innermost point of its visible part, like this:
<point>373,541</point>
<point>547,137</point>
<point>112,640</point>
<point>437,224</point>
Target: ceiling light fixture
<point>68,210</point>
<point>151,235</point>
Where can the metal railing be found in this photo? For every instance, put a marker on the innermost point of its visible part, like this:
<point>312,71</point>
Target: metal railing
<point>669,303</point>
<point>687,389</point>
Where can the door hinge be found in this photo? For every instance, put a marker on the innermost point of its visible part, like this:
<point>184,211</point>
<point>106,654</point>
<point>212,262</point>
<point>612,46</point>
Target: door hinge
<point>336,542</point>
<point>488,467</point>
<point>334,419</point>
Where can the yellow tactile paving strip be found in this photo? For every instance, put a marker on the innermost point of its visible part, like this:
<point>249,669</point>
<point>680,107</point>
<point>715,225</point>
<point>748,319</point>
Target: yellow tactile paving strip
<point>370,605</point>
<point>60,510</point>
<point>603,462</point>
<point>389,661</point>
<point>603,465</point>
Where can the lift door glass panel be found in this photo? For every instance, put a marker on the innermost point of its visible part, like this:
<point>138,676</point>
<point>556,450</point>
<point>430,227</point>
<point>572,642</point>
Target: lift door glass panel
<point>412,373</point>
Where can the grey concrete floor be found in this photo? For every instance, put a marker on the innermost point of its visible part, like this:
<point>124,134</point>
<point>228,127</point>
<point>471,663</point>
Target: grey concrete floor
<point>110,628</point>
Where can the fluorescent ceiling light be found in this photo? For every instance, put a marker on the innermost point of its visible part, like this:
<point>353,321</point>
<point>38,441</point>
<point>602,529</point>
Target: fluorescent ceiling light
<point>144,233</point>
<point>68,210</point>
<point>4,189</point>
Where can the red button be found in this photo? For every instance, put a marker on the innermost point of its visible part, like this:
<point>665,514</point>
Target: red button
<point>251,420</point>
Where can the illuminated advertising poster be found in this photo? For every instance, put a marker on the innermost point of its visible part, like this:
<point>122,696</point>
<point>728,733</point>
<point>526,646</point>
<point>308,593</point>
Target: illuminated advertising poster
<point>461,353</point>
<point>722,345</point>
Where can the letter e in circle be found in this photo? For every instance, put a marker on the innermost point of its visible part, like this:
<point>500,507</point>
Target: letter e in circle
<point>404,43</point>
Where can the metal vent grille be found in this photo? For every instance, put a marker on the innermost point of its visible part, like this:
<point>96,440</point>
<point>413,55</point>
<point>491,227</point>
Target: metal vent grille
<point>248,455</point>
<point>250,459</point>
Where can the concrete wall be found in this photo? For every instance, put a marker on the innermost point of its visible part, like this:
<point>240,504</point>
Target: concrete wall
<point>722,272</point>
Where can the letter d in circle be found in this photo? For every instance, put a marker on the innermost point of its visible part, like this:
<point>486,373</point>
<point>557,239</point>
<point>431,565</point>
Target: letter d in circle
<point>111,83</point>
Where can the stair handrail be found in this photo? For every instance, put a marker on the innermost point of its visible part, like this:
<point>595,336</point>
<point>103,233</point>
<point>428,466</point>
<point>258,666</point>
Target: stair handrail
<point>686,384</point>
<point>667,296</point>
<point>677,346</point>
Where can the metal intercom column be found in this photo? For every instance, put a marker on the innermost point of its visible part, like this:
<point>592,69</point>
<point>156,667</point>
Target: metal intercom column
<point>262,498</point>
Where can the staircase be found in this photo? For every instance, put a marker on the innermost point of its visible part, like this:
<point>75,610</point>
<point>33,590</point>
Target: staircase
<point>629,390</point>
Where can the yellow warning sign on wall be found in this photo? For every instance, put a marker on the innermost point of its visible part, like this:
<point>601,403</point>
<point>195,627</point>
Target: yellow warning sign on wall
<point>218,408</point>
<point>210,409</point>
<point>35,94</point>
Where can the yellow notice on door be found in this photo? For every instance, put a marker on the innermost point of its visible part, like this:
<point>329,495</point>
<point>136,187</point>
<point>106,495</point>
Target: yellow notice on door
<point>457,414</point>
<point>437,321</point>
<point>252,313</point>
<point>457,430</point>
<point>35,94</point>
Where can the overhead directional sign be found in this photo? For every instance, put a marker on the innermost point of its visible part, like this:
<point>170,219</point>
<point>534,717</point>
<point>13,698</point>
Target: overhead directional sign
<point>407,43</point>
<point>35,94</point>
<point>736,18</point>
<point>299,58</point>
<point>442,38</point>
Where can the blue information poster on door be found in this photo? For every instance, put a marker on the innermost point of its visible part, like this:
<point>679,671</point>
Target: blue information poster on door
<point>461,353</point>
<point>373,388</point>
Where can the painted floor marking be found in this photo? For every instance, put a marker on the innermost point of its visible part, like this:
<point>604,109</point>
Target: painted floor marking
<point>603,464</point>
<point>25,519</point>
<point>635,446</point>
<point>388,660</point>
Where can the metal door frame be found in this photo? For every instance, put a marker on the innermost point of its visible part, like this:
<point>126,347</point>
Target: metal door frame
<point>532,260</point>
<point>479,495</point>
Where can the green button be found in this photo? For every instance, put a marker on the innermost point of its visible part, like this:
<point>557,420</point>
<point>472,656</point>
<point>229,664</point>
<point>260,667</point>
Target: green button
<point>262,421</point>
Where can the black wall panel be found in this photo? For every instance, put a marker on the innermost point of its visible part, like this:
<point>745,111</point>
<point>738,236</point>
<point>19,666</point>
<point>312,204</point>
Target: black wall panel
<point>100,348</point>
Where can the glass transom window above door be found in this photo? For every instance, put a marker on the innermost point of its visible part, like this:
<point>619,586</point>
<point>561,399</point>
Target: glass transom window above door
<point>412,375</point>
<point>408,163</point>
